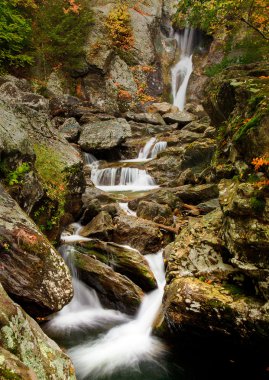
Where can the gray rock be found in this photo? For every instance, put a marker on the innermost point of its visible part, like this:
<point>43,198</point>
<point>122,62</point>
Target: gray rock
<point>162,108</point>
<point>70,129</point>
<point>150,118</point>
<point>114,290</point>
<point>48,287</point>
<point>104,135</point>
<point>100,226</point>
<point>182,118</point>
<point>138,233</point>
<point>158,213</point>
<point>197,194</point>
<point>26,352</point>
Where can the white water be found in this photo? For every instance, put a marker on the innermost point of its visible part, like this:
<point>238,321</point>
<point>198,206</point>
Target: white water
<point>127,345</point>
<point>85,311</point>
<point>124,206</point>
<point>122,179</point>
<point>151,149</point>
<point>181,72</point>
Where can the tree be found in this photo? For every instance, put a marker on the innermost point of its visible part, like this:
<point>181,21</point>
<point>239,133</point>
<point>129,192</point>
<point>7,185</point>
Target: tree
<point>62,27</point>
<point>15,33</point>
<point>212,15</point>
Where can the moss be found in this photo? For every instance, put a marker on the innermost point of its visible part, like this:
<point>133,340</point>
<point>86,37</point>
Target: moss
<point>7,374</point>
<point>254,122</point>
<point>258,204</point>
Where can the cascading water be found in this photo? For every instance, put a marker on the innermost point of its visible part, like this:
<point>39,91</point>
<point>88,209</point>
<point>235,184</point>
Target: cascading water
<point>122,179</point>
<point>151,149</point>
<point>85,311</point>
<point>181,72</point>
<point>129,344</point>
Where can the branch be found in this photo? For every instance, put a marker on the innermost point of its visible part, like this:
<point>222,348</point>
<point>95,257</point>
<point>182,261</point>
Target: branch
<point>254,27</point>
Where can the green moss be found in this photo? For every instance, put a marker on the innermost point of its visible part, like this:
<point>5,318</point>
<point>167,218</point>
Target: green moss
<point>258,204</point>
<point>254,122</point>
<point>7,374</point>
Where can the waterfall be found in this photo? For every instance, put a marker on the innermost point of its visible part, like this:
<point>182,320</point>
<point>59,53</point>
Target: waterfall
<point>151,149</point>
<point>122,179</point>
<point>127,345</point>
<point>89,158</point>
<point>124,206</point>
<point>85,311</point>
<point>181,72</point>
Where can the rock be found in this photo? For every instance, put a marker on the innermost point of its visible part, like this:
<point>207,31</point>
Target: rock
<point>160,196</point>
<point>210,132</point>
<point>150,118</point>
<point>198,250</point>
<point>21,84</point>
<point>70,129</point>
<point>55,85</point>
<point>26,353</point>
<point>32,271</point>
<point>126,261</point>
<point>100,226</point>
<point>138,233</point>
<point>181,118</point>
<point>156,212</point>
<point>121,74</point>
<point>197,194</point>
<point>198,155</point>
<point>114,290</point>
<point>209,206</point>
<point>93,209</point>
<point>162,108</point>
<point>245,230</point>
<point>104,135</point>
<point>145,129</point>
<point>92,193</point>
<point>196,127</point>
<point>186,177</point>
<point>192,306</point>
<point>63,105</point>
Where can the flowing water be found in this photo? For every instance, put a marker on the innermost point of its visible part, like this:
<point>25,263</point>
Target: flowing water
<point>181,72</point>
<point>150,151</point>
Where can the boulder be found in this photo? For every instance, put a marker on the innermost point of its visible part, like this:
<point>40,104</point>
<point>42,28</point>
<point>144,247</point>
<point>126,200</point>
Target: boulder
<point>101,226</point>
<point>26,353</point>
<point>196,127</point>
<point>197,194</point>
<point>162,108</point>
<point>138,233</point>
<point>114,290</point>
<point>181,118</point>
<point>150,118</point>
<point>126,261</point>
<point>32,271</point>
<point>245,230</point>
<point>70,129</point>
<point>93,209</point>
<point>104,135</point>
<point>160,196</point>
<point>156,212</point>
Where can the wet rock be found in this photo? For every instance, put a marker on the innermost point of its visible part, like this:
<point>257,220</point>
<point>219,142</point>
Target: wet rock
<point>195,308</point>
<point>104,135</point>
<point>32,271</point>
<point>156,212</point>
<point>70,129</point>
<point>181,118</point>
<point>124,260</point>
<point>196,127</point>
<point>198,155</point>
<point>209,206</point>
<point>150,118</point>
<point>145,129</point>
<point>114,290</point>
<point>26,353</point>
<point>162,108</point>
<point>186,177</point>
<point>197,194</point>
<point>93,209</point>
<point>100,226</point>
<point>138,233</point>
<point>92,193</point>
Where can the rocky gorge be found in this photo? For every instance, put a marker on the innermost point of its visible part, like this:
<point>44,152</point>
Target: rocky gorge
<point>104,190</point>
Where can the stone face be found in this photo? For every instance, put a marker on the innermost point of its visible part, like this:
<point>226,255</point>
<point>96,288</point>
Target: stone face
<point>156,212</point>
<point>100,226</point>
<point>26,353</point>
<point>124,260</point>
<point>197,194</point>
<point>70,129</point>
<point>138,233</point>
<point>104,135</point>
<point>114,289</point>
<point>150,118</point>
<point>182,118</point>
<point>32,271</point>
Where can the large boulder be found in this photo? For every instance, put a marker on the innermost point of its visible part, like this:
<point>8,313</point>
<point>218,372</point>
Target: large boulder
<point>124,260</point>
<point>140,234</point>
<point>32,271</point>
<point>26,353</point>
<point>156,212</point>
<point>104,135</point>
<point>101,226</point>
<point>114,289</point>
